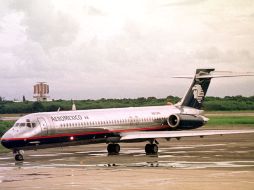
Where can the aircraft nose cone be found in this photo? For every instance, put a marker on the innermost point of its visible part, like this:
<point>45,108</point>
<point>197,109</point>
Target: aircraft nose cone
<point>5,142</point>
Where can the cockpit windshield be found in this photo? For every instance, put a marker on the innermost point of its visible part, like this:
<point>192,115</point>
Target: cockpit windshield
<point>27,124</point>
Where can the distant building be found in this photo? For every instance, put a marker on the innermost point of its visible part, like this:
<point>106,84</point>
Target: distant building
<point>41,91</point>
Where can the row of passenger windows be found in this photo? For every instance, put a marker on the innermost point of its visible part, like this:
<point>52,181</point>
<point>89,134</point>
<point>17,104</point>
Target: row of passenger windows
<point>115,122</point>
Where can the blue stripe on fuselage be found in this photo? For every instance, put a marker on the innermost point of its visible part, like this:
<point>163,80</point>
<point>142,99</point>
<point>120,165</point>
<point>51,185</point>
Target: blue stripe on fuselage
<point>55,141</point>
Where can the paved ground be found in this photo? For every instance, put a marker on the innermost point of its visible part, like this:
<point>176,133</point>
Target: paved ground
<point>216,162</point>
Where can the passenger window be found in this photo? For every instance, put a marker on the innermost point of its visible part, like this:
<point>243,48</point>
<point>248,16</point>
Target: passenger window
<point>33,124</point>
<point>28,125</point>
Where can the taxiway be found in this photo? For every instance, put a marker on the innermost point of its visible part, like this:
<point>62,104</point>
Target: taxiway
<point>215,162</point>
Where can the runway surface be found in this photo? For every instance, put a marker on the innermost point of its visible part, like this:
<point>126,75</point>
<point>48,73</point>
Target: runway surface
<point>218,162</point>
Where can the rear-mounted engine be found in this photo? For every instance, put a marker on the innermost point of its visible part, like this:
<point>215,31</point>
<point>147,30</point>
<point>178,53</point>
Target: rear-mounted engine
<point>185,121</point>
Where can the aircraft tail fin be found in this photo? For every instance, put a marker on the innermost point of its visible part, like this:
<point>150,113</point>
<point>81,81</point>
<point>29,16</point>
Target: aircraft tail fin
<point>201,81</point>
<point>197,91</point>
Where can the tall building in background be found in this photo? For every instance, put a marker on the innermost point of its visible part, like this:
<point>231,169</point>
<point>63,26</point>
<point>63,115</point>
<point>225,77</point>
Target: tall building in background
<point>41,91</point>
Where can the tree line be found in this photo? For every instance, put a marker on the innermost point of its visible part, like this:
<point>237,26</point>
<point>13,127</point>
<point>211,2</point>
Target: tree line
<point>227,103</point>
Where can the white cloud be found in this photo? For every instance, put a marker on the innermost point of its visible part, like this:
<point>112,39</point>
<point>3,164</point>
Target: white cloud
<point>45,24</point>
<point>117,48</point>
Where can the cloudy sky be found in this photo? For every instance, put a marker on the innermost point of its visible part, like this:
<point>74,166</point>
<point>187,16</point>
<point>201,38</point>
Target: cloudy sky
<point>123,48</point>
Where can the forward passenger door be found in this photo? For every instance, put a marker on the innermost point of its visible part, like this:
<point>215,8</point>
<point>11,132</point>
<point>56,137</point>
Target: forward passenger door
<point>44,126</point>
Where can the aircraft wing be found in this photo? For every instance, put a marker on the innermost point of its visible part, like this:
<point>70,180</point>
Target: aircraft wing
<point>178,134</point>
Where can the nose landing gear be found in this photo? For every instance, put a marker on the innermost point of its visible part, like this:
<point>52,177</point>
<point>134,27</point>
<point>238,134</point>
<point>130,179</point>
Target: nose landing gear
<point>17,155</point>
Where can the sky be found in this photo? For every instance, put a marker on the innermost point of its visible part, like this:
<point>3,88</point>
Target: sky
<point>123,48</point>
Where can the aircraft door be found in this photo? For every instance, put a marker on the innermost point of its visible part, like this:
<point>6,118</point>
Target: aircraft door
<point>43,125</point>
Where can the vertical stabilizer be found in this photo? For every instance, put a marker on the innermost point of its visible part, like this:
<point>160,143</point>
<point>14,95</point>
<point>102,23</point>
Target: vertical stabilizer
<point>197,91</point>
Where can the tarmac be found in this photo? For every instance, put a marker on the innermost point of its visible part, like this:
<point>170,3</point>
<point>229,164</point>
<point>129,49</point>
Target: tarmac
<point>215,162</point>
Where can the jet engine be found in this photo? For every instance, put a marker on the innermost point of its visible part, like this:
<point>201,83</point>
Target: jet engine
<point>186,121</point>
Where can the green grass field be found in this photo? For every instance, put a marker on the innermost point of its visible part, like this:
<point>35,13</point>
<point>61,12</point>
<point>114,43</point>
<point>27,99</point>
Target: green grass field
<point>4,126</point>
<point>231,120</point>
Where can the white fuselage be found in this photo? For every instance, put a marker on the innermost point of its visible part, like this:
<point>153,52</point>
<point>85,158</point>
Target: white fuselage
<point>87,126</point>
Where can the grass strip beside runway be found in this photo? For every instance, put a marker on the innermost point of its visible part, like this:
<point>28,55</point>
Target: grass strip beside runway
<point>231,120</point>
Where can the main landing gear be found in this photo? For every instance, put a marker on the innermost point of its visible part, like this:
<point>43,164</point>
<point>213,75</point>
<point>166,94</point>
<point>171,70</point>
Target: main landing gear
<point>113,149</point>
<point>18,155</point>
<point>151,149</point>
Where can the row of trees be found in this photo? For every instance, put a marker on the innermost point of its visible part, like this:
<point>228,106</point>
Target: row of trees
<point>211,104</point>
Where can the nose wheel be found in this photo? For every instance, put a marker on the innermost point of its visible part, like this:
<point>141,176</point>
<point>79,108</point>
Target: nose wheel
<point>18,156</point>
<point>151,149</point>
<point>113,149</point>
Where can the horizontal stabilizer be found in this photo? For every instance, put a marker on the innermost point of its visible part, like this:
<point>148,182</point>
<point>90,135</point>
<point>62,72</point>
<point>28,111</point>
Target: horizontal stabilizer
<point>212,75</point>
<point>216,74</point>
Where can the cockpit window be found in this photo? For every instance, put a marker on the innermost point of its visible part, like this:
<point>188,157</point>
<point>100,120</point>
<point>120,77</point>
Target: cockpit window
<point>27,124</point>
<point>22,125</point>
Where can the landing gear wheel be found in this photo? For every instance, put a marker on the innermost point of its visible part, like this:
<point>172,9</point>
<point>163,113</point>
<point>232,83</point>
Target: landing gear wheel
<point>19,157</point>
<point>117,148</point>
<point>151,149</point>
<point>113,149</point>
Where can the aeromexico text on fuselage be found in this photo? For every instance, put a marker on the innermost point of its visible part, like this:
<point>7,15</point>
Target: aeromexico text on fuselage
<point>68,118</point>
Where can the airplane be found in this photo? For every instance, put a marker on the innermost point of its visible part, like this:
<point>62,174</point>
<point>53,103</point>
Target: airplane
<point>118,125</point>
